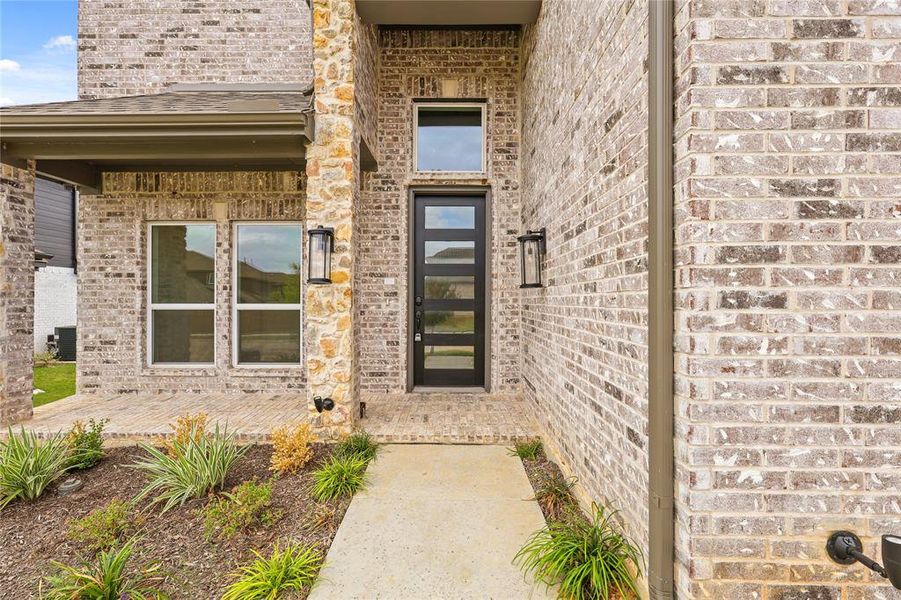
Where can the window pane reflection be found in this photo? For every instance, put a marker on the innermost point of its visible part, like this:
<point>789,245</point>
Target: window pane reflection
<point>269,259</point>
<point>450,357</point>
<point>269,336</point>
<point>182,336</point>
<point>450,253</point>
<point>449,287</point>
<point>182,264</point>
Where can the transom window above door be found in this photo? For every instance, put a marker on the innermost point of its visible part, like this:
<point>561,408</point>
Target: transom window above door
<point>449,137</point>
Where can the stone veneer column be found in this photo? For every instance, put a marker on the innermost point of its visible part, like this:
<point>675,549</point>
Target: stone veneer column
<point>332,173</point>
<point>16,293</point>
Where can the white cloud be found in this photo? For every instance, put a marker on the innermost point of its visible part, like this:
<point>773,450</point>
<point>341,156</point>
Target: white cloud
<point>4,101</point>
<point>65,42</point>
<point>9,66</point>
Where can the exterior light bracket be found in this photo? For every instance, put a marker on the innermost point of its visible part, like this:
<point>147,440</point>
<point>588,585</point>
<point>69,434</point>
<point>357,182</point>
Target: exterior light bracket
<point>845,548</point>
<point>323,403</point>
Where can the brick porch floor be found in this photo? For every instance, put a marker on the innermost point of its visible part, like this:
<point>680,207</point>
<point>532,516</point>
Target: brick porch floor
<point>401,418</point>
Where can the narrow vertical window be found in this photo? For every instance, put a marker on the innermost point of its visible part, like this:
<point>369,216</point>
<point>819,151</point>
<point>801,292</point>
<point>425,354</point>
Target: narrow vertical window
<point>182,293</point>
<point>450,137</point>
<point>267,281</point>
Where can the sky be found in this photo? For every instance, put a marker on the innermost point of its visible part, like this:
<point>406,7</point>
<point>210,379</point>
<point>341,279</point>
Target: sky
<point>38,40</point>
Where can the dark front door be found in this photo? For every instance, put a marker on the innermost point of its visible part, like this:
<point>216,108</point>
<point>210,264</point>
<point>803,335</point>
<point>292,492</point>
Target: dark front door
<point>448,333</point>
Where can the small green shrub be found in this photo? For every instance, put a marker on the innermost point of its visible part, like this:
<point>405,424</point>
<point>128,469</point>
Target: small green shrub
<point>285,570</point>
<point>106,578</point>
<point>530,450</point>
<point>339,476</point>
<point>554,493</point>
<point>103,527</point>
<point>198,466</point>
<point>359,443</point>
<point>28,464</point>
<point>588,560</point>
<point>247,505</point>
<point>291,448</point>
<point>85,444</point>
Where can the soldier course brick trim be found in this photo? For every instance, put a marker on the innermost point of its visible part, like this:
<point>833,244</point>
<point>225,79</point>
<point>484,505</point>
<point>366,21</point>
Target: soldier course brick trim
<point>787,308</point>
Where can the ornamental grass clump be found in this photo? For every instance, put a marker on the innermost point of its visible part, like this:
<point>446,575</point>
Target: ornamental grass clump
<point>359,443</point>
<point>586,559</point>
<point>28,464</point>
<point>288,569</point>
<point>291,448</point>
<point>553,492</point>
<point>195,467</point>
<point>528,450</point>
<point>106,578</point>
<point>339,476</point>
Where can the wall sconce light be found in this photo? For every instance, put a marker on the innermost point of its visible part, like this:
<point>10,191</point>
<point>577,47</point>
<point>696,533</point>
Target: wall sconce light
<point>845,548</point>
<point>322,244</point>
<point>531,249</point>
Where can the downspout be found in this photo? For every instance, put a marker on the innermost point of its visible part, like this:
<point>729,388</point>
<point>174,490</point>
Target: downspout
<point>661,485</point>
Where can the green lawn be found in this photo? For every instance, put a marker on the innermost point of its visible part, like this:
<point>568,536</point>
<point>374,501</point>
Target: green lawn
<point>57,381</point>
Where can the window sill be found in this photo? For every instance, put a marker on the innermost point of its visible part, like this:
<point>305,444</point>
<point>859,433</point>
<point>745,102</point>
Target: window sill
<point>180,370</point>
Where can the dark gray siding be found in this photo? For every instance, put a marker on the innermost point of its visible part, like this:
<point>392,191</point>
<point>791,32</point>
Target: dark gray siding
<point>54,221</point>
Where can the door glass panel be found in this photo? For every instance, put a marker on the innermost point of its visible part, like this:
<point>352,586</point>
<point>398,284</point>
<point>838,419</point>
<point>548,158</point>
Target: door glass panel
<point>450,321</point>
<point>450,357</point>
<point>450,253</point>
<point>450,287</point>
<point>450,217</point>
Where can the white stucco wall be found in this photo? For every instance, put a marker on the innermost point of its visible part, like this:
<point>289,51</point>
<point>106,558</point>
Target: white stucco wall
<point>54,302</point>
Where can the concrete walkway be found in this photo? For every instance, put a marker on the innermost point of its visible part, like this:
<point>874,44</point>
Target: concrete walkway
<point>435,522</point>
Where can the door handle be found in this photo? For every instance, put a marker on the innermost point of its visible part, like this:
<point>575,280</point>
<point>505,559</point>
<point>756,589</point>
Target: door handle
<point>417,336</point>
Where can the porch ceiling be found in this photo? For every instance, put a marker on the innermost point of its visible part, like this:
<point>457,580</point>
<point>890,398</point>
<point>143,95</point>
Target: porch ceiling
<point>448,12</point>
<point>198,127</point>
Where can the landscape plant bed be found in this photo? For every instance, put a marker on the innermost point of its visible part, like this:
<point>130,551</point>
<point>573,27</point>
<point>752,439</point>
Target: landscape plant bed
<point>541,469</point>
<point>32,534</point>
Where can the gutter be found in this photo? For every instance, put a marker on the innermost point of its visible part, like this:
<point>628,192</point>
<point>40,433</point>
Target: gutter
<point>661,455</point>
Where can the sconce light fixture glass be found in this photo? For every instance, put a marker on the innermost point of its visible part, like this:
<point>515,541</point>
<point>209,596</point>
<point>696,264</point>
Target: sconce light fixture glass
<point>531,250</point>
<point>322,244</point>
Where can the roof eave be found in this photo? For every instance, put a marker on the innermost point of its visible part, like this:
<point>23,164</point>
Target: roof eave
<point>78,147</point>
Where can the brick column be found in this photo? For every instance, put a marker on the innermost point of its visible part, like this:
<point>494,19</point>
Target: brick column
<point>332,185</point>
<point>16,293</point>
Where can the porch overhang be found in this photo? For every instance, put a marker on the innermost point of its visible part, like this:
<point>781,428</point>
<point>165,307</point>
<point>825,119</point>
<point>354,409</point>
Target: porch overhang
<point>448,12</point>
<point>192,128</point>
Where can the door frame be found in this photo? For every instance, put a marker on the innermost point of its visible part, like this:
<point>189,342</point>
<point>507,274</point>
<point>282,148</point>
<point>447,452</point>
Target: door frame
<point>446,190</point>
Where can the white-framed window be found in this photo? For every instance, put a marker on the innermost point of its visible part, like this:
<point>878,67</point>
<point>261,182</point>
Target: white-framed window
<point>449,137</point>
<point>267,313</point>
<point>181,294</point>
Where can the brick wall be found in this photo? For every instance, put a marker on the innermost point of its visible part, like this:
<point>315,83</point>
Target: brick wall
<point>16,292</point>
<point>138,47</point>
<point>112,276</point>
<point>584,358</point>
<point>788,309</point>
<point>451,64</point>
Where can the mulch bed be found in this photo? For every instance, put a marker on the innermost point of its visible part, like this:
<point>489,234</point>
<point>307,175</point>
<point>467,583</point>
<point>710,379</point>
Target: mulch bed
<point>538,470</point>
<point>33,534</point>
